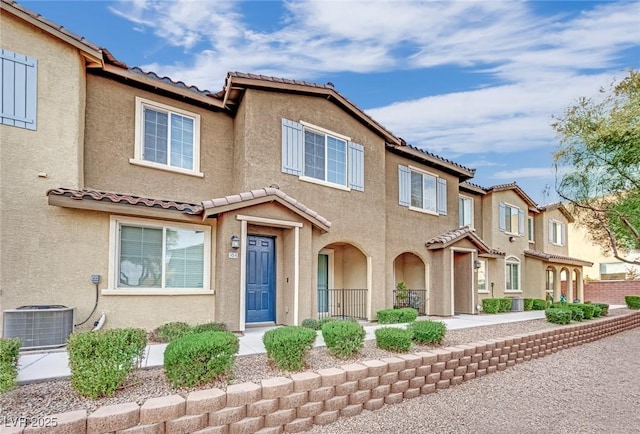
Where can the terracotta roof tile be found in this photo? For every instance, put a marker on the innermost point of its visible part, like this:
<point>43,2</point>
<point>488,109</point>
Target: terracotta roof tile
<point>278,79</point>
<point>514,186</point>
<point>169,80</point>
<point>556,258</point>
<point>87,194</point>
<point>438,157</point>
<point>459,233</point>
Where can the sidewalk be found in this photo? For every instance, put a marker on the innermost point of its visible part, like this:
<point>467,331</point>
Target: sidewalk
<point>34,366</point>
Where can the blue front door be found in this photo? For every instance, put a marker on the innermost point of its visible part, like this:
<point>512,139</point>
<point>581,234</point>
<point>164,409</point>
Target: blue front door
<point>261,293</point>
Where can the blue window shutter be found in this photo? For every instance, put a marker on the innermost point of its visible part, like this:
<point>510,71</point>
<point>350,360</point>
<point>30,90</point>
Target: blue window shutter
<point>502,224</point>
<point>520,222</point>
<point>292,147</point>
<point>19,89</point>
<point>441,196</point>
<point>356,166</point>
<point>404,186</point>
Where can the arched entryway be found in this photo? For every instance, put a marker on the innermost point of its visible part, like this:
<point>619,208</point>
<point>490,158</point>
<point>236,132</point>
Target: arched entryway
<point>342,282</point>
<point>410,282</point>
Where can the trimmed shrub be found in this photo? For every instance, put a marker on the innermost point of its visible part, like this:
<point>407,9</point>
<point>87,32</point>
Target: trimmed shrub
<point>505,304</point>
<point>397,316</point>
<point>528,304</point>
<point>587,309</point>
<point>9,351</point>
<point>428,332</point>
<point>540,304</point>
<point>577,314</point>
<point>633,301</point>
<point>209,327</point>
<point>394,339</point>
<point>558,315</point>
<point>199,357</point>
<point>323,321</point>
<point>491,305</point>
<point>311,323</point>
<point>597,311</point>
<point>287,346</point>
<point>170,331</point>
<point>101,360</point>
<point>343,338</point>
<point>604,307</point>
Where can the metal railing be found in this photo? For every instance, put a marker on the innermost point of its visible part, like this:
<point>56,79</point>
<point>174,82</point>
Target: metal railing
<point>342,303</point>
<point>415,298</point>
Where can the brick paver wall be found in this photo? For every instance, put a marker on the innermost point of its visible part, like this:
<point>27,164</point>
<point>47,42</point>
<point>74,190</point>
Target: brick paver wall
<point>295,404</point>
<point>610,291</point>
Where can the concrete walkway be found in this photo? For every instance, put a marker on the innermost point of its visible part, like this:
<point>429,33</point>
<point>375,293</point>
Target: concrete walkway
<point>34,366</point>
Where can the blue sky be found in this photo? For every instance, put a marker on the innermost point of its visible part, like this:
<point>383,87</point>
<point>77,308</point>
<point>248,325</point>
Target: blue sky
<point>477,82</point>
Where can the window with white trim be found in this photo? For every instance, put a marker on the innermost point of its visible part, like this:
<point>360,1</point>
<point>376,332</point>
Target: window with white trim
<point>557,232</point>
<point>513,274</point>
<point>510,219</point>
<point>465,207</point>
<point>167,137</point>
<point>420,190</point>
<point>530,229</point>
<point>18,93</point>
<point>322,156</point>
<point>150,255</point>
<point>482,275</point>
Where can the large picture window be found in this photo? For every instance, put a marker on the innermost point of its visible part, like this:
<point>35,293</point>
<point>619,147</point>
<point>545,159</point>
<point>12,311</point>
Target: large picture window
<point>167,137</point>
<point>164,257</point>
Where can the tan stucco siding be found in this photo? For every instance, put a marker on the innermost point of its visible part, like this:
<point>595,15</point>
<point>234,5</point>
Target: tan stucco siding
<point>110,144</point>
<point>543,239</point>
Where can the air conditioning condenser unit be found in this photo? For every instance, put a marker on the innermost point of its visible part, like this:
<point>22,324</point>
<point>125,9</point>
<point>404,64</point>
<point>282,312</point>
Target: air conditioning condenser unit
<point>41,326</point>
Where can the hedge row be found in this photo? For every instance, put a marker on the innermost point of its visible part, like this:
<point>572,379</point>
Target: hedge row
<point>397,316</point>
<point>9,350</point>
<point>496,305</point>
<point>633,301</point>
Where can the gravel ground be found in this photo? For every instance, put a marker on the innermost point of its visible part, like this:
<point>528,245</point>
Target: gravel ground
<point>46,398</point>
<point>592,388</point>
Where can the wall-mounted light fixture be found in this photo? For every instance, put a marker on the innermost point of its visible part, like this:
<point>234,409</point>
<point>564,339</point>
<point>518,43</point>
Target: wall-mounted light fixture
<point>477,264</point>
<point>512,239</point>
<point>235,242</point>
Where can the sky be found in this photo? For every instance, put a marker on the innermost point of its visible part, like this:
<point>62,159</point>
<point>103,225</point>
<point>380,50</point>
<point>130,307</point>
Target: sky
<point>475,82</point>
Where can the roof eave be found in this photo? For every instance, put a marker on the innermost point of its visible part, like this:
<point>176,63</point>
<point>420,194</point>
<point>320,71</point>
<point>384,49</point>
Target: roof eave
<point>460,172</point>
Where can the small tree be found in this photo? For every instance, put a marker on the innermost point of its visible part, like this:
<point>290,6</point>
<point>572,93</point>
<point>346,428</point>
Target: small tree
<point>600,147</point>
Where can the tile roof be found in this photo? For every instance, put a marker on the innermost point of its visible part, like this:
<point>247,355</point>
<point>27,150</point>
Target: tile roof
<point>169,80</point>
<point>272,79</point>
<point>559,206</point>
<point>437,157</point>
<point>514,186</point>
<point>453,235</point>
<point>265,194</point>
<point>550,257</point>
<point>88,194</point>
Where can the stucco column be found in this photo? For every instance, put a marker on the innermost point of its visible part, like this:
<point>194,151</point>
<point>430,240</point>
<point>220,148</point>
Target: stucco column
<point>580,286</point>
<point>569,286</point>
<point>556,284</point>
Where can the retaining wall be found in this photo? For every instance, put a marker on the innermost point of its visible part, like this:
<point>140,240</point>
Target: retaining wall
<point>610,291</point>
<point>295,404</point>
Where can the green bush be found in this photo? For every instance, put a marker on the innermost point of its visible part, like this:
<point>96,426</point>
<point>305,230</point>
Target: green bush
<point>604,307</point>
<point>597,311</point>
<point>199,357</point>
<point>394,339</point>
<point>397,316</point>
<point>558,315</point>
<point>343,338</point>
<point>528,304</point>
<point>587,309</point>
<point>540,304</point>
<point>505,304</point>
<point>171,331</point>
<point>311,323</point>
<point>9,351</point>
<point>428,332</point>
<point>101,360</point>
<point>287,346</point>
<point>633,301</point>
<point>209,327</point>
<point>577,314</point>
<point>491,305</point>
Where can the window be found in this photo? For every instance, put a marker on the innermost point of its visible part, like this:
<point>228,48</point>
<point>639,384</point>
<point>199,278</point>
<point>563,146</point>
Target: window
<point>318,155</point>
<point>511,219</point>
<point>530,229</point>
<point>482,276</point>
<point>465,206</point>
<point>19,81</point>
<point>556,232</point>
<point>513,274</point>
<point>550,281</point>
<point>420,190</point>
<point>161,257</point>
<point>167,137</point>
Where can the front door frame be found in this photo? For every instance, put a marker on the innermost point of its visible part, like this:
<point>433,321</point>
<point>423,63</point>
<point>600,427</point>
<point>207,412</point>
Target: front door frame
<point>472,253</point>
<point>270,247</point>
<point>261,221</point>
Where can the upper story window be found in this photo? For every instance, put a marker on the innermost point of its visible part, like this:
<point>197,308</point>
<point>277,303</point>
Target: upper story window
<point>318,155</point>
<point>465,210</point>
<point>421,190</point>
<point>18,96</point>
<point>167,137</point>
<point>530,229</point>
<point>511,219</point>
<point>557,232</point>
